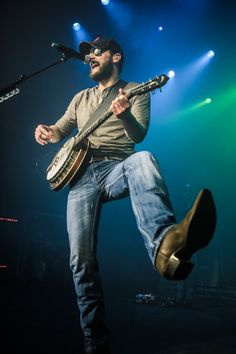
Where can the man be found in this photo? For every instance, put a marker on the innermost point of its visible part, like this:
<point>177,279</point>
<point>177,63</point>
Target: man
<point>114,170</point>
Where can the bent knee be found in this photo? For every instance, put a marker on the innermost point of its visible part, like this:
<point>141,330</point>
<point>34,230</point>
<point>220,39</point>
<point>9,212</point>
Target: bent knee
<point>141,158</point>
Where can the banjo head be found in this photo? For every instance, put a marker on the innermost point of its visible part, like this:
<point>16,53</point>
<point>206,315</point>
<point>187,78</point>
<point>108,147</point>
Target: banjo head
<point>60,159</point>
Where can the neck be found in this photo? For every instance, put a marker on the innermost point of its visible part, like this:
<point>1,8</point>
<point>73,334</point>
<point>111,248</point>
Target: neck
<point>108,82</point>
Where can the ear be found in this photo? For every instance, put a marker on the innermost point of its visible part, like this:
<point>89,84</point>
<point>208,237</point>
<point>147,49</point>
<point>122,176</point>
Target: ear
<point>116,57</point>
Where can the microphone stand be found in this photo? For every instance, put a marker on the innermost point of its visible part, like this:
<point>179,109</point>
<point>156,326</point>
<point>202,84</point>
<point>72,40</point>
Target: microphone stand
<point>12,89</point>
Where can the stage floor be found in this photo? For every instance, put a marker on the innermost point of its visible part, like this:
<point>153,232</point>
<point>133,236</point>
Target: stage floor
<point>44,319</point>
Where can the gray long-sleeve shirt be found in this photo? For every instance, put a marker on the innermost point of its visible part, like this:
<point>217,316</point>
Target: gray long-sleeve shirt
<point>111,136</point>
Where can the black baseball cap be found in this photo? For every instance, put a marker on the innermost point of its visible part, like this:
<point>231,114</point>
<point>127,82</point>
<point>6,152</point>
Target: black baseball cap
<point>102,43</point>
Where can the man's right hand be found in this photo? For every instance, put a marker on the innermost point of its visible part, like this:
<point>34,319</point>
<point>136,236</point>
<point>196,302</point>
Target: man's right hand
<point>47,134</point>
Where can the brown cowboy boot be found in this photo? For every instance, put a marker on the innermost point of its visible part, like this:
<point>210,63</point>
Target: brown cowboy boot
<point>194,232</point>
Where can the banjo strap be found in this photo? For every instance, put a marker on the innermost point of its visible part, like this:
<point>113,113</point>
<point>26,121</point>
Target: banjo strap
<point>103,107</point>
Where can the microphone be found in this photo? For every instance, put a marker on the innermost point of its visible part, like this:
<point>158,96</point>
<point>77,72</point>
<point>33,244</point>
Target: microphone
<point>70,53</point>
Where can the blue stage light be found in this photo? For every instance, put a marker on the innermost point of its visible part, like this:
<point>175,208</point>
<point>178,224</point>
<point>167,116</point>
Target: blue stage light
<point>105,2</point>
<point>160,28</point>
<point>210,53</point>
<point>76,26</point>
<point>171,74</point>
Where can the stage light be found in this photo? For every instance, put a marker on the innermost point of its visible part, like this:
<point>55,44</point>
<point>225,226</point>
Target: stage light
<point>160,28</point>
<point>210,53</point>
<point>105,2</point>
<point>121,13</point>
<point>208,100</point>
<point>76,26</point>
<point>189,110</point>
<point>79,33</point>
<point>171,74</point>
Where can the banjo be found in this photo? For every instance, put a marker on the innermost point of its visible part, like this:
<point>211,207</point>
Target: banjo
<point>70,158</point>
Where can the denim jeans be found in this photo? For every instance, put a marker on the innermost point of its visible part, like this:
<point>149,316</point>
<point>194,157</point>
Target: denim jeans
<point>139,177</point>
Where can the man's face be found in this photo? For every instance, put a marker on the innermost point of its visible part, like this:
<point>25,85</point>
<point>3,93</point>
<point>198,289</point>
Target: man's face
<point>101,67</point>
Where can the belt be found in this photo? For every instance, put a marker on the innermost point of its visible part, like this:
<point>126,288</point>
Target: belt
<point>104,158</point>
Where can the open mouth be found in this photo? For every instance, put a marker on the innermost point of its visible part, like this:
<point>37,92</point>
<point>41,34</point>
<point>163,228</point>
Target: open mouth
<point>94,64</point>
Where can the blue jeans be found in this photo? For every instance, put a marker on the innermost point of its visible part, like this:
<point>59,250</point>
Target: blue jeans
<point>137,176</point>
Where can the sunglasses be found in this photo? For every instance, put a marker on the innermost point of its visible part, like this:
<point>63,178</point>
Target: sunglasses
<point>97,51</point>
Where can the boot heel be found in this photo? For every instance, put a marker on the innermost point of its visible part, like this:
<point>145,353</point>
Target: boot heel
<point>177,269</point>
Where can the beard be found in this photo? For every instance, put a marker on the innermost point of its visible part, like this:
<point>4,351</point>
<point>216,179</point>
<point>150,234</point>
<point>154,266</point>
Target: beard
<point>102,72</point>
